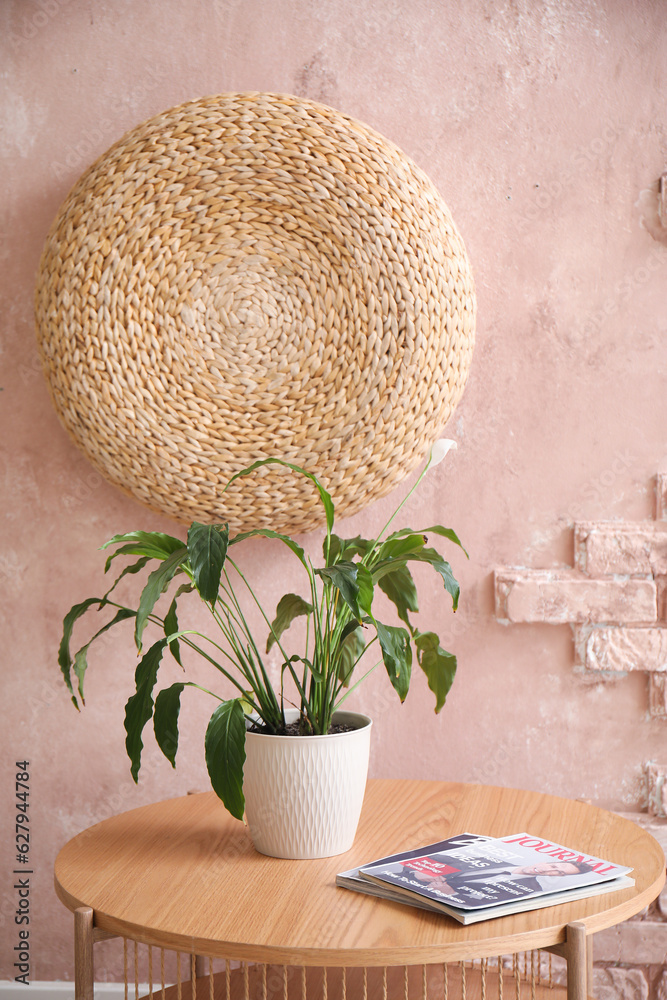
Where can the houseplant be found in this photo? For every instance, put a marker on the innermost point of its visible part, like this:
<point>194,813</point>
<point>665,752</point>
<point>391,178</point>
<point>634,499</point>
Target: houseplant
<point>316,679</point>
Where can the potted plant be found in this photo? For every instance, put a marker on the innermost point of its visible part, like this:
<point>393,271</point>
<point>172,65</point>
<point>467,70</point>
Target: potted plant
<point>315,679</point>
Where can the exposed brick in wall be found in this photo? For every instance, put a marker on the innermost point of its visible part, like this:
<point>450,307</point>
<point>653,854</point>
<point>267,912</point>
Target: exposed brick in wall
<point>656,778</point>
<point>661,497</point>
<point>614,597</point>
<point>657,696</point>
<point>620,649</point>
<point>558,597</point>
<point>611,548</point>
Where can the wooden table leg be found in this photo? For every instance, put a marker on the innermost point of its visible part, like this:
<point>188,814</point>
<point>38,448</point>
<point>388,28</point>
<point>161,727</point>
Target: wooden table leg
<point>589,963</point>
<point>577,955</point>
<point>84,976</point>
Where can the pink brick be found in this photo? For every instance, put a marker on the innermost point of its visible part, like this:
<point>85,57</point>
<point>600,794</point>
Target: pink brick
<point>661,496</point>
<point>558,597</point>
<point>619,984</point>
<point>656,789</point>
<point>657,696</point>
<point>636,942</point>
<point>606,548</point>
<point>609,648</point>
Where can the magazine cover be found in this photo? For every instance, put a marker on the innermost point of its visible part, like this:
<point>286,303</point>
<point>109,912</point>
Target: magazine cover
<point>487,872</point>
<point>352,879</point>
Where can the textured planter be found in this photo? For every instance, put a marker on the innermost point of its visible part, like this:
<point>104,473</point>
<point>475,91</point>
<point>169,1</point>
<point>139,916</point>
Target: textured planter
<point>304,793</point>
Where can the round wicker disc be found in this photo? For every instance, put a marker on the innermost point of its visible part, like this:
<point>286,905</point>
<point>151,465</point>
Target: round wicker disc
<point>246,276</point>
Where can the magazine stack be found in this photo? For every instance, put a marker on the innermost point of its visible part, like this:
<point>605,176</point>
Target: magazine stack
<point>472,877</point>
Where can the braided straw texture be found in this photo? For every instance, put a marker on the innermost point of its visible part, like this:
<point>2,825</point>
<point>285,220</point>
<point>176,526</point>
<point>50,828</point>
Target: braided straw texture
<point>249,276</point>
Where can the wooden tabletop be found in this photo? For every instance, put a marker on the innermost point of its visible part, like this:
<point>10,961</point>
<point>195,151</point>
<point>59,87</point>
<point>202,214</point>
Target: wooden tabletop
<point>183,874</point>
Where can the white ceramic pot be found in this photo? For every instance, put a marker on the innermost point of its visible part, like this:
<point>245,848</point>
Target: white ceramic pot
<point>304,793</point>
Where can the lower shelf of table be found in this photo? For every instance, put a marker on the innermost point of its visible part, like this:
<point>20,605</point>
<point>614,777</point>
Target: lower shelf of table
<point>275,982</point>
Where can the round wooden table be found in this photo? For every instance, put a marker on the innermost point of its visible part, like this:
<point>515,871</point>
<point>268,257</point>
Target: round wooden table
<point>183,875</point>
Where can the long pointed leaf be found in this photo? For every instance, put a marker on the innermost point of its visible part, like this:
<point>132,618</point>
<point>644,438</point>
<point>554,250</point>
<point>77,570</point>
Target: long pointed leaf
<point>153,544</point>
<point>366,589</point>
<point>129,570</point>
<point>435,529</point>
<point>346,548</point>
<point>207,548</point>
<point>81,657</point>
<point>400,588</point>
<point>158,581</point>
<point>170,628</point>
<point>438,665</point>
<point>225,754</point>
<point>325,497</point>
<point>350,649</point>
<point>268,533</point>
<point>397,656</point>
<point>344,578</point>
<point>139,707</point>
<point>165,720</point>
<point>442,567</point>
<point>290,606</point>
<point>64,654</point>
<point>355,584</point>
<point>396,548</point>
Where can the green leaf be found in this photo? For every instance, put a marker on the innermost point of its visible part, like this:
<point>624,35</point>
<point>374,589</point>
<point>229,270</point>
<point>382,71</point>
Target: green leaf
<point>207,548</point>
<point>152,544</point>
<point>366,589</point>
<point>315,671</point>
<point>442,567</point>
<point>268,533</point>
<point>343,576</point>
<point>64,654</point>
<point>438,665</point>
<point>435,529</point>
<point>397,656</point>
<point>171,622</point>
<point>134,568</point>
<point>290,606</point>
<point>225,754</point>
<point>139,707</point>
<point>81,657</point>
<point>354,583</point>
<point>346,548</point>
<point>171,627</point>
<point>325,497</point>
<point>400,588</point>
<point>158,581</point>
<point>165,720</point>
<point>351,646</point>
<point>396,548</point>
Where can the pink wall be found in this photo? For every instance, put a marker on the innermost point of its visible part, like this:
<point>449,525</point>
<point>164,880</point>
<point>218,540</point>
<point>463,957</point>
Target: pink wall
<point>543,126</point>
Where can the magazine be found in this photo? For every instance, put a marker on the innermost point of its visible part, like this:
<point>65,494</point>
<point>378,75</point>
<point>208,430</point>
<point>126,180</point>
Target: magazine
<point>473,877</point>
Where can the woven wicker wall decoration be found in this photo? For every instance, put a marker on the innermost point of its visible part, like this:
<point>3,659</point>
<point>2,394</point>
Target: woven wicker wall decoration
<point>254,275</point>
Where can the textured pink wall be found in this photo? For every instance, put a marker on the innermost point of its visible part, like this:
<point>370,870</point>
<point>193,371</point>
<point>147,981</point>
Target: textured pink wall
<point>543,124</point>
